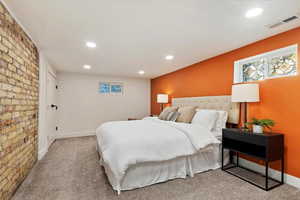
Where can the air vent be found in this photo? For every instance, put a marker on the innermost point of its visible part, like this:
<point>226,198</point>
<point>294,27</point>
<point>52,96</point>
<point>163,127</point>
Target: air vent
<point>283,22</point>
<point>290,19</point>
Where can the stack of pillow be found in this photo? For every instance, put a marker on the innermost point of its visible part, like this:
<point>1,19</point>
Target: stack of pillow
<point>214,120</point>
<point>178,114</point>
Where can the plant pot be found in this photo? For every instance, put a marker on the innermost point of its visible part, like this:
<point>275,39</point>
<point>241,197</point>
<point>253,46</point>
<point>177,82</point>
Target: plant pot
<point>258,129</point>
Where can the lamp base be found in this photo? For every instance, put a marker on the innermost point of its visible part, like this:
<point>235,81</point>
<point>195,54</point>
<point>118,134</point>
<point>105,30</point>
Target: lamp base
<point>245,128</point>
<point>245,116</point>
<point>161,107</point>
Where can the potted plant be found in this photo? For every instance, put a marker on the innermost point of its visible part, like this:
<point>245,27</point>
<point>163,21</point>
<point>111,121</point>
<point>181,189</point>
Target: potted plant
<point>259,124</point>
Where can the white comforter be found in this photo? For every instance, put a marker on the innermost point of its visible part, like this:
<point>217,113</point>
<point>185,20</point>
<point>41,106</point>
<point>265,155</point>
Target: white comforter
<point>125,143</point>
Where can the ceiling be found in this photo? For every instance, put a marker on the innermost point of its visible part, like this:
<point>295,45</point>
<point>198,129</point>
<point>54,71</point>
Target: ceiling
<point>135,35</point>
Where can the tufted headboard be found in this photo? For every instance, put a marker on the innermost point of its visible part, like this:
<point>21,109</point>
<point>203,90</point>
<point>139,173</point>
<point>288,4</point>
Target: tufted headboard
<point>212,102</point>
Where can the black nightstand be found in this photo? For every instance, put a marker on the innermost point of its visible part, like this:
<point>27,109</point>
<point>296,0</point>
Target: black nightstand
<point>268,147</point>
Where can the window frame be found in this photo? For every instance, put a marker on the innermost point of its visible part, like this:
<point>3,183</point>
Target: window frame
<point>110,84</point>
<point>238,70</point>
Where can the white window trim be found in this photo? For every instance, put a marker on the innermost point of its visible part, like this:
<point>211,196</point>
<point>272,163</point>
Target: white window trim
<point>238,73</point>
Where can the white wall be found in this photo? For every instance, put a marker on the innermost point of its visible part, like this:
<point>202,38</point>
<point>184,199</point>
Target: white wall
<point>43,132</point>
<point>82,109</point>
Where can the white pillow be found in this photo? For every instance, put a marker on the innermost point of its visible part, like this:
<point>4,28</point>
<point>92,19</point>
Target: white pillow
<point>206,118</point>
<point>220,122</point>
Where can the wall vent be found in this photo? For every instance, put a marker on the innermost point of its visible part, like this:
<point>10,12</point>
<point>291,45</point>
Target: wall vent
<point>290,19</point>
<point>287,20</point>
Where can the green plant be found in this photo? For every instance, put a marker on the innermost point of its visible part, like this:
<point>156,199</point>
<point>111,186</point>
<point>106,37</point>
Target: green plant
<point>268,123</point>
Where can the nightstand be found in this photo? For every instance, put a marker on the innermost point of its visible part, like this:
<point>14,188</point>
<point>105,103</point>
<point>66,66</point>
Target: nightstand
<point>268,147</point>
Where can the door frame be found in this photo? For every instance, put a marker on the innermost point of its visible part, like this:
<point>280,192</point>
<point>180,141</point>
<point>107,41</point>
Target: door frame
<point>44,69</point>
<point>53,75</point>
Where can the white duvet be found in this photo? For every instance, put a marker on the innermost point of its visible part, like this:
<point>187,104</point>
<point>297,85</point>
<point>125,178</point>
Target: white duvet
<point>125,143</point>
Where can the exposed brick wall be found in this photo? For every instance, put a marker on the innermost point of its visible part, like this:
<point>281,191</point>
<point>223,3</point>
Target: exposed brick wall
<point>19,82</point>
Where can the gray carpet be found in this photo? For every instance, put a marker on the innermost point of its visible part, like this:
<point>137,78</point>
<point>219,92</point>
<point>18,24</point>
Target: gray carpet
<point>70,171</point>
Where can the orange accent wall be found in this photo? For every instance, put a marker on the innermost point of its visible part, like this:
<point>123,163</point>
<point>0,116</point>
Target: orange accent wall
<point>280,97</point>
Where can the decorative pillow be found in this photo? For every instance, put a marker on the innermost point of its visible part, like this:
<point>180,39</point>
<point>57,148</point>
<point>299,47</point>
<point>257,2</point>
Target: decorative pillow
<point>164,114</point>
<point>206,118</point>
<point>172,116</point>
<point>169,116</point>
<point>220,122</point>
<point>186,114</point>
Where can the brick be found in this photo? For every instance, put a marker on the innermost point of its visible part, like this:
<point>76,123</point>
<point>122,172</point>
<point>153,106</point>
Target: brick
<point>9,18</point>
<point>1,8</point>
<point>12,68</point>
<point>7,58</point>
<point>3,48</point>
<point>5,116</point>
<point>6,43</point>
<point>3,93</point>
<point>5,86</point>
<point>3,78</point>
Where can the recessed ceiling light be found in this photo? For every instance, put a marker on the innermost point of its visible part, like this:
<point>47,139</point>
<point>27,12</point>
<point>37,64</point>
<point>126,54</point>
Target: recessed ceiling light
<point>169,57</point>
<point>254,12</point>
<point>87,66</point>
<point>91,44</point>
<point>141,72</point>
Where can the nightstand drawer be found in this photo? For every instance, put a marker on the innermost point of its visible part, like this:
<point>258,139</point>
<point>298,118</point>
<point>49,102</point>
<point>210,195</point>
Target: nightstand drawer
<point>245,137</point>
<point>258,151</point>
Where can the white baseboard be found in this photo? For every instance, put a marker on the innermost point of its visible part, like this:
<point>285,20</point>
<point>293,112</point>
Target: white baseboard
<point>42,153</point>
<point>288,179</point>
<point>75,134</point>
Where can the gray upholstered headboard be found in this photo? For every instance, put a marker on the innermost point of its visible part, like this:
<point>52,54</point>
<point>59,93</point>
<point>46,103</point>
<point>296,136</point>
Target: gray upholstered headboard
<point>212,102</point>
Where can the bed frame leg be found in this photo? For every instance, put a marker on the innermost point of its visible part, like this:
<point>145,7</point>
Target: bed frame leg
<point>118,189</point>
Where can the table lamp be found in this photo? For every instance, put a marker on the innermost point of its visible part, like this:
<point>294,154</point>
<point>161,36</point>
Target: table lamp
<point>162,99</point>
<point>245,93</point>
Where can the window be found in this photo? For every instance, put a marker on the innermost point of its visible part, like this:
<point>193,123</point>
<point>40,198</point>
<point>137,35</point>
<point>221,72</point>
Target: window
<point>254,70</point>
<point>104,88</point>
<point>110,88</point>
<point>283,65</point>
<point>274,64</point>
<point>116,88</point>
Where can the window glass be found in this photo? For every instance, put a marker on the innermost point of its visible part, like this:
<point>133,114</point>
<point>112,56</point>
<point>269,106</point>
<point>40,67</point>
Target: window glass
<point>116,88</point>
<point>254,71</point>
<point>283,65</point>
<point>104,88</point>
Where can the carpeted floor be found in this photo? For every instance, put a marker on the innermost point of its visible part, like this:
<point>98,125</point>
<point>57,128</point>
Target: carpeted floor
<point>70,171</point>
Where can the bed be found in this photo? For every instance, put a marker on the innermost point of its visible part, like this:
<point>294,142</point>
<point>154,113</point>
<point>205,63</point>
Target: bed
<point>132,160</point>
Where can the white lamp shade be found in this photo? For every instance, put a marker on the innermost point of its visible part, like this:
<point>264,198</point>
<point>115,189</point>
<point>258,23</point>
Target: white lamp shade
<point>245,93</point>
<point>162,98</point>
